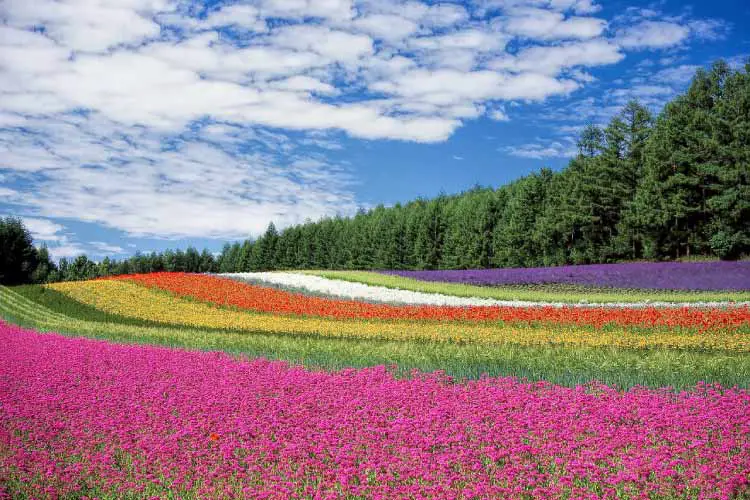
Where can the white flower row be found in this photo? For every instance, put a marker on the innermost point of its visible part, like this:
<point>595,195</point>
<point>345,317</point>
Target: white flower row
<point>361,291</point>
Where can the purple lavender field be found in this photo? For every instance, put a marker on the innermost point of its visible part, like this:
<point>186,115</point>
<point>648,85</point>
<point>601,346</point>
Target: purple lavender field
<point>650,275</point>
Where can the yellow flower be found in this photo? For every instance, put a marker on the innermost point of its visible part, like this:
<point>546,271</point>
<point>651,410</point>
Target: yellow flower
<point>135,301</point>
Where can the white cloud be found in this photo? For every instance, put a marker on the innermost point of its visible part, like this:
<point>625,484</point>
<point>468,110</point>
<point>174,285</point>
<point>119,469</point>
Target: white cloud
<point>166,118</point>
<point>643,91</point>
<point>444,15</point>
<point>304,84</point>
<point>246,17</point>
<point>537,151</point>
<point>738,62</point>
<point>679,75</point>
<point>709,29</point>
<point>7,193</point>
<point>653,35</point>
<point>103,248</point>
<point>386,26</point>
<point>65,250</point>
<point>299,9</point>
<point>543,24</point>
<point>43,229</point>
<point>449,87</point>
<point>551,60</point>
<point>470,39</point>
<point>498,114</point>
<point>194,188</point>
<point>94,25</point>
<point>332,44</point>
<point>276,77</point>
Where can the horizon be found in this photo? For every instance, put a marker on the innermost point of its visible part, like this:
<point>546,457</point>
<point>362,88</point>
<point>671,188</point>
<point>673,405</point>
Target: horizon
<point>153,124</point>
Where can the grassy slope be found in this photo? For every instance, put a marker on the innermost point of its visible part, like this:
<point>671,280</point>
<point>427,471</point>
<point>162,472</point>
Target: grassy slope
<point>61,303</point>
<point>566,366</point>
<point>543,294</point>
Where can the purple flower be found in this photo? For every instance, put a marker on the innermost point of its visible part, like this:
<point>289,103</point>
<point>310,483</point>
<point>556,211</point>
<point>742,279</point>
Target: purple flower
<point>655,275</point>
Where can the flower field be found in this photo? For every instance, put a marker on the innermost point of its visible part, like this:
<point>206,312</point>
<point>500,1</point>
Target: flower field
<point>157,422</point>
<point>342,384</point>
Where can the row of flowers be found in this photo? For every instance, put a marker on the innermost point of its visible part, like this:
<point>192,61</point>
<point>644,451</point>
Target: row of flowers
<point>376,287</point>
<point>88,418</point>
<point>251,297</point>
<point>638,275</point>
<point>126,298</point>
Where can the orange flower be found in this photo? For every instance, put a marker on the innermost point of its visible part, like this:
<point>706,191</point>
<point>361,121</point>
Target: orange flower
<point>226,292</point>
<point>213,436</point>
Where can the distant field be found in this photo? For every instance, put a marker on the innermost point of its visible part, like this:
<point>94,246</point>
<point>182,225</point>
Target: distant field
<point>313,321</point>
<point>709,275</point>
<point>534,292</point>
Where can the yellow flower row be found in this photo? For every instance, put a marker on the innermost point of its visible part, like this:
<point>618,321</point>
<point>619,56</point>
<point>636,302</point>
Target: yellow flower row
<point>135,301</point>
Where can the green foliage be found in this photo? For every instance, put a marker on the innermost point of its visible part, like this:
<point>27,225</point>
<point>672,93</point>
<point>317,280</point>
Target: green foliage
<point>18,257</point>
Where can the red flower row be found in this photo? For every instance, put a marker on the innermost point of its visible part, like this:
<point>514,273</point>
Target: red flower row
<point>227,292</point>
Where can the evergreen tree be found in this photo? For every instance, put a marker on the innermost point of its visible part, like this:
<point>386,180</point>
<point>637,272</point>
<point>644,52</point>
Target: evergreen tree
<point>18,257</point>
<point>45,268</point>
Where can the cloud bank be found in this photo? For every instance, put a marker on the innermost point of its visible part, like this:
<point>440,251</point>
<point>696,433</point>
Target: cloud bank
<point>165,118</point>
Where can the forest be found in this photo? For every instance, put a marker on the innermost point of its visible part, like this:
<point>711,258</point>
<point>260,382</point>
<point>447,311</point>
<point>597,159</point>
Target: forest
<point>671,186</point>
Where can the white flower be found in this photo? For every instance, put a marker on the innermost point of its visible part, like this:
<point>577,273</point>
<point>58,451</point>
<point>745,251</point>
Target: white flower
<point>361,291</point>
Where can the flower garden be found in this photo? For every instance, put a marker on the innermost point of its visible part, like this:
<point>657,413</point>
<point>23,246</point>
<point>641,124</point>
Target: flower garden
<point>350,384</point>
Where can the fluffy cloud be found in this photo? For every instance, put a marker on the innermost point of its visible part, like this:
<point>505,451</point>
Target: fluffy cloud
<point>653,35</point>
<point>543,24</point>
<point>389,27</point>
<point>174,119</point>
<point>551,60</point>
<point>88,26</point>
<point>199,186</point>
<point>43,229</point>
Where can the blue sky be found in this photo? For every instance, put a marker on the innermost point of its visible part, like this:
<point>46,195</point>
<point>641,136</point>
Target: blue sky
<point>146,124</point>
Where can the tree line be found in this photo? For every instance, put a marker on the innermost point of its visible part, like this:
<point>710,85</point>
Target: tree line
<point>21,262</point>
<point>643,187</point>
<point>666,187</point>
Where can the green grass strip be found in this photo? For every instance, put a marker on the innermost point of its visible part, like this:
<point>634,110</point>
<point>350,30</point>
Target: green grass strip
<point>560,365</point>
<point>59,302</point>
<point>569,295</point>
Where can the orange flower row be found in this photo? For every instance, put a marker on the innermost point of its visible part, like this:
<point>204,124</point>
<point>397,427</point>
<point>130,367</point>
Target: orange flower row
<point>227,292</point>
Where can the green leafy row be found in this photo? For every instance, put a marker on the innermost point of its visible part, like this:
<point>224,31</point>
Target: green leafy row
<point>565,366</point>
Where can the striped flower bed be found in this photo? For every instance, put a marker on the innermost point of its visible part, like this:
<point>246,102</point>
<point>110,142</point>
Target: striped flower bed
<point>241,295</point>
<point>128,299</point>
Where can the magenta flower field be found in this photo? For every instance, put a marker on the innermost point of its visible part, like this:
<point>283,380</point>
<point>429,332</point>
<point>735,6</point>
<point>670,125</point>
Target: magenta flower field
<point>87,418</point>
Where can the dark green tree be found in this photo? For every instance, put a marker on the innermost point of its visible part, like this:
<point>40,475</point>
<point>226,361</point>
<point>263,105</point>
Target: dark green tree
<point>18,257</point>
<point>46,267</point>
